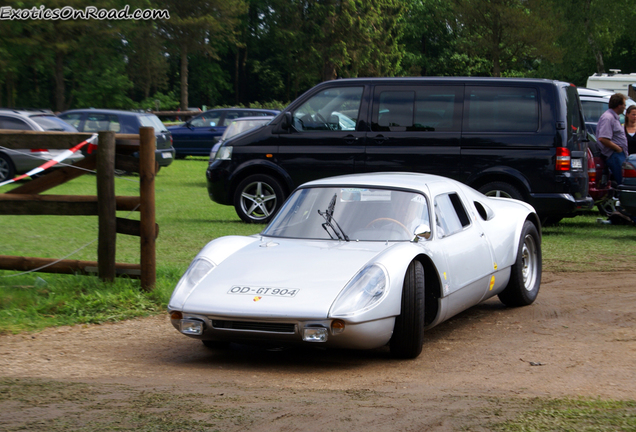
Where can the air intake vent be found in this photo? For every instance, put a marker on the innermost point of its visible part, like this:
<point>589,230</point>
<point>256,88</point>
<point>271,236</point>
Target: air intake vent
<point>255,326</point>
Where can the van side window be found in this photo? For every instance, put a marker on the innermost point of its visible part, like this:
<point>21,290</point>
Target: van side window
<point>450,214</point>
<point>502,109</point>
<point>418,109</point>
<point>335,109</point>
<point>575,120</point>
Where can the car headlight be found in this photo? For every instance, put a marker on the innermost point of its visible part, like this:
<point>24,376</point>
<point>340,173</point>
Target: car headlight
<point>224,153</point>
<point>199,269</point>
<point>363,292</point>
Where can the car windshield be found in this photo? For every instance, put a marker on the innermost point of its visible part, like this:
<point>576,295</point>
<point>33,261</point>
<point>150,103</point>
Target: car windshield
<point>350,213</point>
<point>52,123</point>
<point>240,126</point>
<point>151,120</point>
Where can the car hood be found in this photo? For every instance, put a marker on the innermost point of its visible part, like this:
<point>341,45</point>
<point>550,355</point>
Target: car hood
<point>318,270</point>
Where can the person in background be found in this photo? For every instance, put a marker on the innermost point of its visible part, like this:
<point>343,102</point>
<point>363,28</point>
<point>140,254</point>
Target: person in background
<point>611,134</point>
<point>630,129</point>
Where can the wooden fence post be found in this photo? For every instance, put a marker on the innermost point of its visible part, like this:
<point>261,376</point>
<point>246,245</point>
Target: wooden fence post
<point>106,207</point>
<point>147,144</point>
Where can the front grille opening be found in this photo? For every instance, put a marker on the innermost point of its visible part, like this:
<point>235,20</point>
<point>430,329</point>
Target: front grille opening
<point>254,326</point>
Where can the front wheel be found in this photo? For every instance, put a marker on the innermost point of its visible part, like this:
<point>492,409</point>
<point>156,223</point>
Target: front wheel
<point>258,198</point>
<point>408,333</point>
<point>525,275</point>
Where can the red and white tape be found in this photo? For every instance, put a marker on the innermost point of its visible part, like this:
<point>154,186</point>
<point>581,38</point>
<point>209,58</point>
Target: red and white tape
<point>55,160</point>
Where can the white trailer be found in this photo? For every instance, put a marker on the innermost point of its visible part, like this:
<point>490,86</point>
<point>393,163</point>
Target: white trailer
<point>613,81</point>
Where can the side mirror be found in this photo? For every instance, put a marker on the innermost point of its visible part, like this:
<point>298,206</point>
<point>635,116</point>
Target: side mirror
<point>422,231</point>
<point>287,121</point>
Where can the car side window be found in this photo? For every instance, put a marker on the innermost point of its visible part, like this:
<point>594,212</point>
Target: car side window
<point>102,122</point>
<point>502,109</point>
<point>73,119</point>
<point>450,215</point>
<point>13,123</point>
<point>417,109</point>
<point>207,119</point>
<point>334,109</point>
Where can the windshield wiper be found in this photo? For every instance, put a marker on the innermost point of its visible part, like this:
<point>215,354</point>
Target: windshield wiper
<point>328,215</point>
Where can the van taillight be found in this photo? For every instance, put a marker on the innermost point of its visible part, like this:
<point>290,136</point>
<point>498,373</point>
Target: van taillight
<point>562,159</point>
<point>629,170</point>
<point>591,167</point>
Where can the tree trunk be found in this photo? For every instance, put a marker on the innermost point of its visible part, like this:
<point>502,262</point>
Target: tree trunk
<point>184,77</point>
<point>598,56</point>
<point>236,77</point>
<point>59,81</point>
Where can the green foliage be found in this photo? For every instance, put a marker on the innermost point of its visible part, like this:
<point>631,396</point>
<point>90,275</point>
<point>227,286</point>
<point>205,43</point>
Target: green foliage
<point>167,102</point>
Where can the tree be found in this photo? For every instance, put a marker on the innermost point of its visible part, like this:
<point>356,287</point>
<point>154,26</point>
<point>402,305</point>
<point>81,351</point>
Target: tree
<point>508,32</point>
<point>198,26</point>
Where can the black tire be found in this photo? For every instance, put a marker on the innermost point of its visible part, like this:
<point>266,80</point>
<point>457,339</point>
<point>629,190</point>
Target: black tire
<point>501,189</point>
<point>258,198</point>
<point>525,275</point>
<point>216,345</point>
<point>7,170</point>
<point>408,333</point>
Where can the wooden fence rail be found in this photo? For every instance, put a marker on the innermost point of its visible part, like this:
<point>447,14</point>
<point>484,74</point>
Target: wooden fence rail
<point>113,152</point>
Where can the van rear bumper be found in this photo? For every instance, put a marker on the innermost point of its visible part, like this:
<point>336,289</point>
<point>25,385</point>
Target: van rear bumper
<point>562,205</point>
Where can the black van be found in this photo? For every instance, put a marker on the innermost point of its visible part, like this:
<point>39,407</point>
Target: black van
<point>518,138</point>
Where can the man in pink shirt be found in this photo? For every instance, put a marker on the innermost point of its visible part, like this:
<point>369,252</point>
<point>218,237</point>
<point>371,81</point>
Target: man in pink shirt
<point>611,135</point>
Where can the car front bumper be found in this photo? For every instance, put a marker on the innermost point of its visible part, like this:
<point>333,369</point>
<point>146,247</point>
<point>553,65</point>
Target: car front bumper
<point>364,335</point>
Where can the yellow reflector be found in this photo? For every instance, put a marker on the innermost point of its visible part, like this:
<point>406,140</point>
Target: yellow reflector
<point>337,326</point>
<point>176,315</point>
<point>269,155</point>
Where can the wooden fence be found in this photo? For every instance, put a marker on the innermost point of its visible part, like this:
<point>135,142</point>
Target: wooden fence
<point>113,152</point>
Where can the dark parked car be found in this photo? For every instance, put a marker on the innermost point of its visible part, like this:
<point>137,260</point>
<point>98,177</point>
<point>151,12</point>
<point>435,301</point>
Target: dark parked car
<point>95,120</point>
<point>20,161</point>
<point>627,190</point>
<point>198,135</point>
<point>518,138</point>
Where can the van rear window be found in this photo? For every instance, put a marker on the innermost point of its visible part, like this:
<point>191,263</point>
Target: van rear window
<point>502,109</point>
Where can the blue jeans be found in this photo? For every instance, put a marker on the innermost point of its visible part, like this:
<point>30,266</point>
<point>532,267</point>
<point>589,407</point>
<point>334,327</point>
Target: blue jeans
<point>615,164</point>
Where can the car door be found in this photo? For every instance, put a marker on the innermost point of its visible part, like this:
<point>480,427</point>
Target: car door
<point>197,136</point>
<point>468,253</point>
<point>415,128</point>
<point>325,139</point>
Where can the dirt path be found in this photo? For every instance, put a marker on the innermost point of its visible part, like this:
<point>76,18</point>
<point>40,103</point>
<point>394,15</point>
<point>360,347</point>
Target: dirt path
<point>577,339</point>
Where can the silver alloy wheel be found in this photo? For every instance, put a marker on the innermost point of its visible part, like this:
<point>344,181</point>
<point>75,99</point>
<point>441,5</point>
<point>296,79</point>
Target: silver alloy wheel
<point>529,262</point>
<point>5,169</point>
<point>498,194</point>
<point>258,200</point>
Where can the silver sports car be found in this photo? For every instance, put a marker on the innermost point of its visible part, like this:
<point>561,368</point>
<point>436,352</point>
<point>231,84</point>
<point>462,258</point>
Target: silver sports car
<point>361,261</point>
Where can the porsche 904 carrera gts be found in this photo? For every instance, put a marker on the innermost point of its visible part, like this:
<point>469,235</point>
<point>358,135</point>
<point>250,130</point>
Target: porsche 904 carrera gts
<point>362,261</point>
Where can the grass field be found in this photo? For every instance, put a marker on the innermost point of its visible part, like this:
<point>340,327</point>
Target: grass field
<point>187,220</point>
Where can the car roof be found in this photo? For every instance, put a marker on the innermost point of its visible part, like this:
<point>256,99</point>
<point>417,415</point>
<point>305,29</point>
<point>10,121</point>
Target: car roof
<point>597,93</point>
<point>107,111</point>
<point>407,180</point>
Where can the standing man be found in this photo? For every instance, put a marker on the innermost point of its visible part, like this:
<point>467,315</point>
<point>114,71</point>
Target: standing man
<point>611,134</point>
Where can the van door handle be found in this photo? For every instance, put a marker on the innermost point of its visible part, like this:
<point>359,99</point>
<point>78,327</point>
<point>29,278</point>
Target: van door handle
<point>350,139</point>
<point>380,139</point>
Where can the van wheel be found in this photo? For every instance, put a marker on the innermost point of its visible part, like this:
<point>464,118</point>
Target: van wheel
<point>7,171</point>
<point>258,198</point>
<point>501,189</point>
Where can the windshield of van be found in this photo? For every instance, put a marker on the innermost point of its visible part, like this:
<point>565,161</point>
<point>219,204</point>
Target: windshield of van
<point>350,213</point>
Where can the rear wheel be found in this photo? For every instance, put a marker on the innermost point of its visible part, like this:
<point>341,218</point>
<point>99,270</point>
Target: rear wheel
<point>408,333</point>
<point>7,171</point>
<point>525,275</point>
<point>257,198</point>
<point>501,189</point>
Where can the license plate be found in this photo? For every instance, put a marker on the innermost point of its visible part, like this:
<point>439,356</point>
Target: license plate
<point>263,291</point>
<point>577,163</point>
<point>166,155</point>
